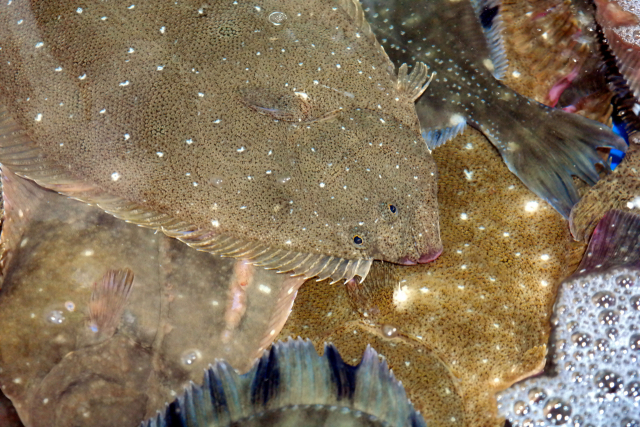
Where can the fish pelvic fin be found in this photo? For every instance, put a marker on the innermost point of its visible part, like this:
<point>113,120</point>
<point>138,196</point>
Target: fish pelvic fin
<point>553,148</point>
<point>412,85</point>
<point>437,137</point>
<point>24,158</point>
<point>301,387</point>
<point>108,298</point>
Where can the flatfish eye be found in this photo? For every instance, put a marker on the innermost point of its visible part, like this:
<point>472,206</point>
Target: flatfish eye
<point>358,241</point>
<point>389,211</point>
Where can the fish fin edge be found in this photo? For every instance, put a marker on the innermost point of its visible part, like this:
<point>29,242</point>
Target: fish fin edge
<point>108,299</point>
<point>412,85</point>
<point>493,34</point>
<point>437,137</point>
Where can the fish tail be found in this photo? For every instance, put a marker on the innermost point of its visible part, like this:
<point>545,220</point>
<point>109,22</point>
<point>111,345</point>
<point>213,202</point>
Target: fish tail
<point>545,147</point>
<point>108,299</point>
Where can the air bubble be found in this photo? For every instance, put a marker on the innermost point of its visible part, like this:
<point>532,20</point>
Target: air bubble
<point>609,317</point>
<point>216,181</point>
<point>520,408</point>
<point>277,18</point>
<point>557,412</point>
<point>56,317</point>
<point>581,339</point>
<point>190,357</point>
<point>624,281</point>
<point>628,422</point>
<point>602,344</point>
<point>632,391</point>
<point>609,382</point>
<point>612,333</point>
<point>604,299</point>
<point>537,396</point>
<point>634,342</point>
<point>635,302</point>
<point>283,179</point>
<point>389,331</point>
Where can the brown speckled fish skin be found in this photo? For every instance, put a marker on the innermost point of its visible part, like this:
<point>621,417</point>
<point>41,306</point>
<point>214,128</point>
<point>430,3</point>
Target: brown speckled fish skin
<point>293,135</point>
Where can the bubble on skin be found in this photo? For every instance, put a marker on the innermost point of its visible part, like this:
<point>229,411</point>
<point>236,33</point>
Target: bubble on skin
<point>190,357</point>
<point>55,317</point>
<point>389,331</point>
<point>598,322</point>
<point>277,18</point>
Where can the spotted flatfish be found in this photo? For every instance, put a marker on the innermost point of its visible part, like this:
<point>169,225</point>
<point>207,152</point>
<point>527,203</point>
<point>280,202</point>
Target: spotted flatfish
<point>272,131</point>
<point>461,41</point>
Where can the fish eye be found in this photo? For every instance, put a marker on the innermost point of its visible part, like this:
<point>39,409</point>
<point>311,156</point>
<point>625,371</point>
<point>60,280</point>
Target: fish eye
<point>389,211</point>
<point>357,240</point>
<point>393,209</point>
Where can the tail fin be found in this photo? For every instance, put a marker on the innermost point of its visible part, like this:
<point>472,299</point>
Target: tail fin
<point>553,147</point>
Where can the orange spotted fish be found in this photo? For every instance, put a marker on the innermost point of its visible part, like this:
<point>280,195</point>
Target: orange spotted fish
<point>277,132</point>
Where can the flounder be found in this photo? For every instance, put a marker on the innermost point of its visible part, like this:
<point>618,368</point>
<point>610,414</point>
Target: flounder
<point>461,41</point>
<point>272,131</point>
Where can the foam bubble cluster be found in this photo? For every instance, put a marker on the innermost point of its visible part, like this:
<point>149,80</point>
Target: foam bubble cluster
<point>592,377</point>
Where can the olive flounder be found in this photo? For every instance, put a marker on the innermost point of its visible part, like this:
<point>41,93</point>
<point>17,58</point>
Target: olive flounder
<point>275,131</point>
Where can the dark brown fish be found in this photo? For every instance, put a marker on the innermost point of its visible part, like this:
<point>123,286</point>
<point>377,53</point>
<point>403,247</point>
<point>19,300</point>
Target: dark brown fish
<point>460,40</point>
<point>272,131</point>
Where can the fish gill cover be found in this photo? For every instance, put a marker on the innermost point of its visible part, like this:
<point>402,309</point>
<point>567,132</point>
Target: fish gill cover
<point>273,131</point>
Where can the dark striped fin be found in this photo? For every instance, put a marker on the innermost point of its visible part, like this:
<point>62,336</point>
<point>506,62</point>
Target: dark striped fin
<point>292,383</point>
<point>488,12</point>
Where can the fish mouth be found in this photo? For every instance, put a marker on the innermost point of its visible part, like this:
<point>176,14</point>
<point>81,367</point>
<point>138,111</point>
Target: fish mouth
<point>423,259</point>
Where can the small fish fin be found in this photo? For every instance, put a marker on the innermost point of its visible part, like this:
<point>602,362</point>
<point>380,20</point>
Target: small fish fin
<point>292,376</point>
<point>488,12</point>
<point>436,137</point>
<point>20,198</point>
<point>24,158</point>
<point>615,242</point>
<point>556,146</point>
<point>354,10</point>
<point>413,85</point>
<point>285,106</point>
<point>108,298</point>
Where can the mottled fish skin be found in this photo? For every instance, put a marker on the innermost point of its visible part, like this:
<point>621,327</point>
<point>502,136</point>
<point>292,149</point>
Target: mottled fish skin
<point>544,147</point>
<point>259,130</point>
<point>289,386</point>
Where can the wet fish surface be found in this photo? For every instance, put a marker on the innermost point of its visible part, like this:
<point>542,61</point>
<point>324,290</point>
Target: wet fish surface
<point>272,131</point>
<point>290,385</point>
<point>461,42</point>
<point>158,313</point>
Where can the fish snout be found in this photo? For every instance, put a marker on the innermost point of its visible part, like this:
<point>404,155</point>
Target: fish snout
<point>430,256</point>
<point>406,261</point>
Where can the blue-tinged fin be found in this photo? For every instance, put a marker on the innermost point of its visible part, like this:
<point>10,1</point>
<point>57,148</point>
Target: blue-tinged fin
<point>488,12</point>
<point>436,137</point>
<point>291,385</point>
<point>615,242</point>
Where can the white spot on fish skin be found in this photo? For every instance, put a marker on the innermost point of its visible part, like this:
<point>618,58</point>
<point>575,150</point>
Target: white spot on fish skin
<point>39,45</point>
<point>488,64</point>
<point>544,257</point>
<point>456,119</point>
<point>264,289</point>
<point>217,121</point>
<point>115,176</point>
<point>160,67</point>
<point>468,175</point>
<point>634,203</point>
<point>162,29</point>
<point>516,73</point>
<point>201,95</point>
<point>469,146</point>
<point>531,206</point>
<point>131,7</point>
<point>131,50</point>
<point>82,77</point>
<point>126,136</point>
<point>124,83</point>
<point>241,149</point>
<point>464,216</point>
<point>58,69</point>
<point>189,141</point>
<point>215,223</point>
<point>88,252</point>
<point>104,110</point>
<point>160,154</point>
<point>38,117</point>
<point>79,10</point>
<point>544,283</point>
<point>322,185</point>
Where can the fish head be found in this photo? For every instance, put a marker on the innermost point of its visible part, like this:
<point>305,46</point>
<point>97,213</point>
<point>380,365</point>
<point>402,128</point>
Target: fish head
<point>370,188</point>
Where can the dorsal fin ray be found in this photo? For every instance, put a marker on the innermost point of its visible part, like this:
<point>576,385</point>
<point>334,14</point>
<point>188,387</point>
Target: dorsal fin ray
<point>488,12</point>
<point>24,158</point>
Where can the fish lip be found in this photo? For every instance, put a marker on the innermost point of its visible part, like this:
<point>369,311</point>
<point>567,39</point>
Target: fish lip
<point>406,261</point>
<point>430,256</point>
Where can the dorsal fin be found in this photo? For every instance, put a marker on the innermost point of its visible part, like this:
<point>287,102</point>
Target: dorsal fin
<point>24,158</point>
<point>354,10</point>
<point>488,12</point>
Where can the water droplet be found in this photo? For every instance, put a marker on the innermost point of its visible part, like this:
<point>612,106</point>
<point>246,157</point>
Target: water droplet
<point>283,179</point>
<point>277,18</point>
<point>628,422</point>
<point>537,396</point>
<point>557,412</point>
<point>578,421</point>
<point>56,317</point>
<point>602,344</point>
<point>389,331</point>
<point>604,299</point>
<point>635,302</point>
<point>612,333</point>
<point>216,181</point>
<point>608,382</point>
<point>581,339</point>
<point>190,357</point>
<point>520,408</point>
<point>634,342</point>
<point>624,281</point>
<point>632,391</point>
<point>609,317</point>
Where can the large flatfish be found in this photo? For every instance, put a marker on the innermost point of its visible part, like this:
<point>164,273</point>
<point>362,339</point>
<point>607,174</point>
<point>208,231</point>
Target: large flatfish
<point>461,41</point>
<point>272,131</point>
